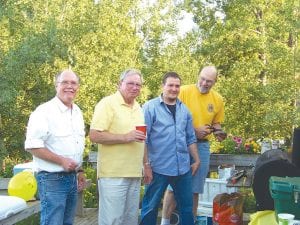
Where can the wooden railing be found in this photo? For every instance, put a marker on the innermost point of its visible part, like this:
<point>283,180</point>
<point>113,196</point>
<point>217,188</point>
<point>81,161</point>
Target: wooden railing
<point>246,162</point>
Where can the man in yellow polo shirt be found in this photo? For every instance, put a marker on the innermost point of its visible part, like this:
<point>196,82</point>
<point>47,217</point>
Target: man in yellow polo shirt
<point>207,109</point>
<point>121,149</point>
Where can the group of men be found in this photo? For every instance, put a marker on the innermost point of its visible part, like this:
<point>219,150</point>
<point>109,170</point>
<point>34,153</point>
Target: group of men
<point>179,124</point>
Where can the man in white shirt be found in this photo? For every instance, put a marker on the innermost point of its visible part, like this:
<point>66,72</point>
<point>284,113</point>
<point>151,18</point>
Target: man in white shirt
<point>55,137</point>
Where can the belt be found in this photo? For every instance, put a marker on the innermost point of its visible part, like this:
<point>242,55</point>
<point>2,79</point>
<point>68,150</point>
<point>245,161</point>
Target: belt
<point>202,140</point>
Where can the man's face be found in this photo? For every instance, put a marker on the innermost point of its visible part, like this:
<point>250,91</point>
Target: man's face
<point>171,88</point>
<point>131,86</point>
<point>205,82</point>
<point>67,87</point>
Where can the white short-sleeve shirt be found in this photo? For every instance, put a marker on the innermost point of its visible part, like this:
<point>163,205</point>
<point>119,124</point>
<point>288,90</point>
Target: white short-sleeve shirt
<point>59,129</point>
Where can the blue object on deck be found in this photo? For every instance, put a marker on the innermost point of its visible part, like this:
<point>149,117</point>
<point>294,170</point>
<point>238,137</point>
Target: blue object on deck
<point>23,166</point>
<point>203,220</point>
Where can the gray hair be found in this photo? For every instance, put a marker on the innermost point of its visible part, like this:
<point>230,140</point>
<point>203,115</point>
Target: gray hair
<point>209,69</point>
<point>57,76</point>
<point>129,72</point>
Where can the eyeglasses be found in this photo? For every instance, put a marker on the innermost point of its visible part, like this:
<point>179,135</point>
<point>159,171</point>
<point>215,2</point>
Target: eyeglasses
<point>202,79</point>
<point>132,84</point>
<point>67,83</point>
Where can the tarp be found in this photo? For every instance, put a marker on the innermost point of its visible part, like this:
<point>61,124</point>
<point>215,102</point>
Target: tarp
<point>266,217</point>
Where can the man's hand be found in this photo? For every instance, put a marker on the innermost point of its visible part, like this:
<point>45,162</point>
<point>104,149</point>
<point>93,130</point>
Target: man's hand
<point>220,135</point>
<point>203,131</point>
<point>194,153</point>
<point>194,167</point>
<point>68,164</point>
<point>135,135</point>
<point>81,181</point>
<point>148,176</point>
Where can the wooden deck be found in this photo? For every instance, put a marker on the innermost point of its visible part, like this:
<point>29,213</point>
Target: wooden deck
<point>90,217</point>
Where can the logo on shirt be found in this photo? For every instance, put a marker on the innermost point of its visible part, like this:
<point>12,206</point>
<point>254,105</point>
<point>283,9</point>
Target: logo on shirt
<point>210,108</point>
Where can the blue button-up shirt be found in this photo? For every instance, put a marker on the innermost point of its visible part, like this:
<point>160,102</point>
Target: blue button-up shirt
<point>168,140</point>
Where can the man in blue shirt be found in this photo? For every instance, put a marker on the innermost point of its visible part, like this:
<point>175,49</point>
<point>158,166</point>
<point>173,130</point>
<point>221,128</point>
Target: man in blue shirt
<point>170,143</point>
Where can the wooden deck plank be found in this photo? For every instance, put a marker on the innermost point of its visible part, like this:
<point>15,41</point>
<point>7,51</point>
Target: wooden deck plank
<point>90,217</point>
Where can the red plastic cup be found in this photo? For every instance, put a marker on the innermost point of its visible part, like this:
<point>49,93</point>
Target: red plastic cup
<point>142,128</point>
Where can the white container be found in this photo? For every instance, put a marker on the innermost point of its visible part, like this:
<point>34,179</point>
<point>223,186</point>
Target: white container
<point>265,146</point>
<point>10,205</point>
<point>275,144</point>
<point>285,218</point>
<point>226,171</point>
<point>295,222</point>
<point>23,166</point>
<point>213,187</point>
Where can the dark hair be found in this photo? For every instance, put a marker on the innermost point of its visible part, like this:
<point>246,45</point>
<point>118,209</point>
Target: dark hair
<point>170,74</point>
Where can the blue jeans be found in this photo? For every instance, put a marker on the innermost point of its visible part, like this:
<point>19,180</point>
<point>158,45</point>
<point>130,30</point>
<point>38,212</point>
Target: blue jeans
<point>201,174</point>
<point>182,186</point>
<point>58,195</point>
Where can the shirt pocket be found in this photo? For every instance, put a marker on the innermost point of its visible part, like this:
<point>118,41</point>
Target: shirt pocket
<point>62,133</point>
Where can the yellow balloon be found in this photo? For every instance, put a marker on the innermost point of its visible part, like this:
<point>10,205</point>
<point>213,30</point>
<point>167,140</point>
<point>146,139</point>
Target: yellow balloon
<point>22,185</point>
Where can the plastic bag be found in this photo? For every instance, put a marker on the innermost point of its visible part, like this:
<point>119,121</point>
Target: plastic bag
<point>228,209</point>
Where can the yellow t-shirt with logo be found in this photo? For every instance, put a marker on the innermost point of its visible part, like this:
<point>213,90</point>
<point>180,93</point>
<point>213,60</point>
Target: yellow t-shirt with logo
<point>112,114</point>
<point>205,108</point>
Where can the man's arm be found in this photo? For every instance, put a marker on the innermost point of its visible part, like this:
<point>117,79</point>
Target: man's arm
<point>105,137</point>
<point>147,167</point>
<point>45,154</point>
<point>217,126</point>
<point>194,153</point>
<point>219,133</point>
<point>202,131</point>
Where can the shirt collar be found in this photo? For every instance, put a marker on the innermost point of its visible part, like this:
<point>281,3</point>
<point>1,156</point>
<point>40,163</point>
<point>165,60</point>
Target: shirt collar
<point>161,100</point>
<point>62,107</point>
<point>122,102</point>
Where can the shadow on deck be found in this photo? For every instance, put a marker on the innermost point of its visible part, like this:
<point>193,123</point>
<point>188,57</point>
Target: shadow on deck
<point>90,217</point>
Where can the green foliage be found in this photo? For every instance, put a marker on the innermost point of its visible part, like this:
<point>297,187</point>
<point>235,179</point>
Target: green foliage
<point>236,145</point>
<point>91,193</point>
<point>7,166</point>
<point>249,205</point>
<point>254,45</point>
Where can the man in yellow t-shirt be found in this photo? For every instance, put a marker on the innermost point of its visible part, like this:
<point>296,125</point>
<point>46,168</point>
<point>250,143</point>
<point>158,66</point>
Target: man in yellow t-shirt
<point>121,149</point>
<point>207,108</point>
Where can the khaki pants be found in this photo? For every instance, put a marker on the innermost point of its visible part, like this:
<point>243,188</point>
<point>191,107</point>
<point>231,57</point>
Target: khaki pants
<point>118,201</point>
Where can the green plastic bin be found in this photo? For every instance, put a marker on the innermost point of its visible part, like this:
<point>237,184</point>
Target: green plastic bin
<point>285,192</point>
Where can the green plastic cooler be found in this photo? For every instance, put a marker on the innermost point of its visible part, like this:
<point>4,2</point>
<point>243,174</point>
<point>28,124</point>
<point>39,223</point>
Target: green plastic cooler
<point>285,192</point>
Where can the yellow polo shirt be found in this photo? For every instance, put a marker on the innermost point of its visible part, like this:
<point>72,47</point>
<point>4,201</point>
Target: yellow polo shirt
<point>112,114</point>
<point>205,108</point>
